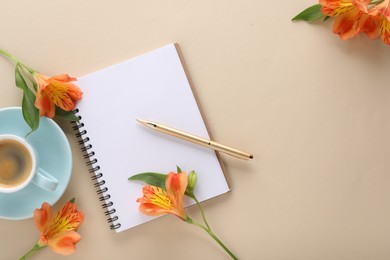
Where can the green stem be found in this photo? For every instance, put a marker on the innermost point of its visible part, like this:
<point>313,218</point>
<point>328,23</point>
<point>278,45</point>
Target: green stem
<point>211,233</point>
<point>192,195</point>
<point>9,55</point>
<point>14,59</point>
<point>375,2</point>
<point>33,250</point>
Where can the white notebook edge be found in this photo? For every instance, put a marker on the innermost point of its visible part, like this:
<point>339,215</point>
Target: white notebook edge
<point>197,100</point>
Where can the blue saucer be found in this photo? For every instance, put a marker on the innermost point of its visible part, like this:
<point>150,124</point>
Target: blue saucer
<point>54,155</point>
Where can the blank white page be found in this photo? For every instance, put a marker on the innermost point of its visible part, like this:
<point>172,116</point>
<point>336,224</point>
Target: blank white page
<point>152,86</point>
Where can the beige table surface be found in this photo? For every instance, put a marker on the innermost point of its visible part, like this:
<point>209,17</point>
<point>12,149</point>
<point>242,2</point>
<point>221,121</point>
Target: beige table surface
<point>314,110</point>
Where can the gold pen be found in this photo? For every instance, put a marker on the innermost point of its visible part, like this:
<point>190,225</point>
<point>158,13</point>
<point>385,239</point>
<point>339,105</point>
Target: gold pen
<point>196,139</point>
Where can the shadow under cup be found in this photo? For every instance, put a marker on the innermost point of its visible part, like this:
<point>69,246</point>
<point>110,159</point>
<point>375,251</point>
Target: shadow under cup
<point>19,166</point>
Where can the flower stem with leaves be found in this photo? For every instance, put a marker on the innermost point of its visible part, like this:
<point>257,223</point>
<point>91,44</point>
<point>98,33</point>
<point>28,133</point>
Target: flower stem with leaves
<point>164,195</point>
<point>58,232</point>
<point>352,17</point>
<point>42,95</point>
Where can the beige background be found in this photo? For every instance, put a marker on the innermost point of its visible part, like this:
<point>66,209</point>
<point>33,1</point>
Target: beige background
<point>313,109</point>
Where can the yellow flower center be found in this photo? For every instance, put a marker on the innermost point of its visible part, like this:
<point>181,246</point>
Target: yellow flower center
<point>342,9</point>
<point>65,220</point>
<point>385,26</point>
<point>161,199</point>
<point>58,93</point>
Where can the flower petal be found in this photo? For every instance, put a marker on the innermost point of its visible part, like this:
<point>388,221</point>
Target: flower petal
<point>382,8</point>
<point>44,104</point>
<point>43,217</point>
<point>156,196</point>
<point>59,96</point>
<point>63,95</point>
<point>347,25</point>
<point>66,219</point>
<point>63,78</point>
<point>156,202</point>
<point>151,209</point>
<point>65,242</point>
<point>362,5</point>
<point>370,25</point>
<point>73,91</point>
<point>176,183</point>
<point>41,80</point>
<point>336,7</point>
<point>385,30</point>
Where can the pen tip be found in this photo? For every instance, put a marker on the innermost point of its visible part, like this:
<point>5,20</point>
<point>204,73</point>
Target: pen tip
<point>146,123</point>
<point>251,157</point>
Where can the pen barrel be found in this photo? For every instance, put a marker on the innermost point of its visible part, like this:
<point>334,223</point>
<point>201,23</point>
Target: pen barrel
<point>229,150</point>
<point>197,140</point>
<point>183,135</point>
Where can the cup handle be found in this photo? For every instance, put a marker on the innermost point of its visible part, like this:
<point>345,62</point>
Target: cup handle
<point>45,180</point>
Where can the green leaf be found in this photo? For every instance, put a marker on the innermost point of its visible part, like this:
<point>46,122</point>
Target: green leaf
<point>178,169</point>
<point>151,178</point>
<point>35,86</point>
<point>72,200</point>
<point>29,111</point>
<point>67,115</point>
<point>19,80</point>
<point>310,14</point>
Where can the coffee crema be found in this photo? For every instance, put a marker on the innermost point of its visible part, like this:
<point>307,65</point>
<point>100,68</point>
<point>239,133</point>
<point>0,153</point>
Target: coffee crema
<point>15,163</point>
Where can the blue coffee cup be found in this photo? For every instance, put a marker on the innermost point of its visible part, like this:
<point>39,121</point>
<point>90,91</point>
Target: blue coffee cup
<point>19,166</point>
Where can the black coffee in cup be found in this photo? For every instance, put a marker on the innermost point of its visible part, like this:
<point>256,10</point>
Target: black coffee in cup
<point>15,163</point>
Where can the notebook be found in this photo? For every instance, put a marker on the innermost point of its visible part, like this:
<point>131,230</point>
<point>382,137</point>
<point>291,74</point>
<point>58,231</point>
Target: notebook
<point>152,86</point>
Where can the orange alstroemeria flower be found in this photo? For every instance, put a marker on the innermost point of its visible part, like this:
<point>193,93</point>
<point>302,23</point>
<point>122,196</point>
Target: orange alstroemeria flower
<point>382,13</point>
<point>351,18</point>
<point>59,232</point>
<point>56,91</point>
<point>156,201</point>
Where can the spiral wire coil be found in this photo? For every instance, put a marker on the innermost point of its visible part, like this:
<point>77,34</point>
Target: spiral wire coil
<point>98,177</point>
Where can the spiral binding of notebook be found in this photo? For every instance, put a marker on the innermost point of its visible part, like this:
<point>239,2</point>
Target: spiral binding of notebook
<point>98,177</point>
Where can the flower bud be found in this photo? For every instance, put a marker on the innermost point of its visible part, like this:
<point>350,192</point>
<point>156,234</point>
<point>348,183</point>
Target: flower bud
<point>192,179</point>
